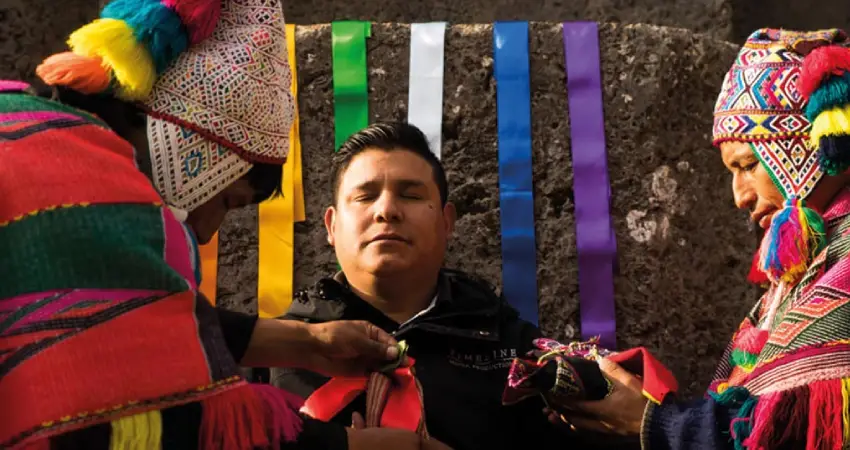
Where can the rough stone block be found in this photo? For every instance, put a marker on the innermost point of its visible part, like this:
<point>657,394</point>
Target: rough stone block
<point>683,248</point>
<point>707,16</point>
<point>31,30</point>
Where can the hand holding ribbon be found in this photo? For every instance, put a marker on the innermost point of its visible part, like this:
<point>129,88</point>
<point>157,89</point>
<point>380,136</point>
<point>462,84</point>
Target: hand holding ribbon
<point>394,398</point>
<point>337,348</point>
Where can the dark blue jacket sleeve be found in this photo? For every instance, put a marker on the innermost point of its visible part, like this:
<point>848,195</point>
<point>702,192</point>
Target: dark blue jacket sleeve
<point>697,425</point>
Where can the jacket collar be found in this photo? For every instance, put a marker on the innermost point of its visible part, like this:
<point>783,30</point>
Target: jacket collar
<point>466,306</point>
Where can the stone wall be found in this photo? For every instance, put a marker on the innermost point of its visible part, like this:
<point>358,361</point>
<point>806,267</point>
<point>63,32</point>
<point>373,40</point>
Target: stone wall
<point>31,30</point>
<point>684,250</point>
<point>708,16</point>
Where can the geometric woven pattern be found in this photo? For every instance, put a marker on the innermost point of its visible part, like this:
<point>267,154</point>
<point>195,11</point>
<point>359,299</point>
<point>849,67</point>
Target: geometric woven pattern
<point>809,339</point>
<point>791,164</point>
<point>759,102</point>
<point>99,317</point>
<point>222,105</point>
<point>31,323</point>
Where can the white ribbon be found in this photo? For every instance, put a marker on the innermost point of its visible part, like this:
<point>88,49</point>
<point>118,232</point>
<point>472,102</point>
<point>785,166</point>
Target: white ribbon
<point>425,95</point>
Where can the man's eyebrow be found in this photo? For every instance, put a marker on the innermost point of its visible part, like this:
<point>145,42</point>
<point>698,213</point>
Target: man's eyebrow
<point>403,183</point>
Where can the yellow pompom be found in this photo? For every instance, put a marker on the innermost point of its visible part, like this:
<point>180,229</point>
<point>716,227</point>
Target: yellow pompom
<point>115,43</point>
<point>832,122</point>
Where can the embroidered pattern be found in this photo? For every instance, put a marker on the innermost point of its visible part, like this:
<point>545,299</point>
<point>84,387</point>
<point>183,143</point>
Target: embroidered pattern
<point>222,106</point>
<point>760,103</point>
<point>809,340</point>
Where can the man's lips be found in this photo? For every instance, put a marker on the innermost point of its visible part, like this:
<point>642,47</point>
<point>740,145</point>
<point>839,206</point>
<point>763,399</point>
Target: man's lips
<point>764,218</point>
<point>383,237</point>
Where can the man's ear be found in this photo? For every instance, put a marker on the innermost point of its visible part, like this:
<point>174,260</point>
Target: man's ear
<point>330,217</point>
<point>449,217</point>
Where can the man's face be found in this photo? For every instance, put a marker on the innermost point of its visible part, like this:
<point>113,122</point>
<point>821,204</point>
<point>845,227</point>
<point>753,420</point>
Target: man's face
<point>206,219</point>
<point>752,185</point>
<point>388,217</point>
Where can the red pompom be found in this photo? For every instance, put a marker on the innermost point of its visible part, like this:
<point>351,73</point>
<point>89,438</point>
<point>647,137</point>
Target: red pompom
<point>198,16</point>
<point>820,64</point>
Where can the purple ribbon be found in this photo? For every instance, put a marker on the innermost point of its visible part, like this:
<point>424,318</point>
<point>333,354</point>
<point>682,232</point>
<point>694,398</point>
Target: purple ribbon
<point>595,240</point>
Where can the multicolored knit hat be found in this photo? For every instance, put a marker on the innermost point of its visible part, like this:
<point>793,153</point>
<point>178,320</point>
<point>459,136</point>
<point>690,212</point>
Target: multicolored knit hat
<point>222,106</point>
<point>781,82</point>
<point>213,76</point>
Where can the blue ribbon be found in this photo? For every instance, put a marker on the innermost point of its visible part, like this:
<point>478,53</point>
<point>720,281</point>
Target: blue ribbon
<point>595,239</point>
<point>516,195</point>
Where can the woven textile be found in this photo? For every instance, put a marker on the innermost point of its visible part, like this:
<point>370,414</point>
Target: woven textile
<point>808,339</point>
<point>223,105</point>
<point>99,316</point>
<point>760,103</point>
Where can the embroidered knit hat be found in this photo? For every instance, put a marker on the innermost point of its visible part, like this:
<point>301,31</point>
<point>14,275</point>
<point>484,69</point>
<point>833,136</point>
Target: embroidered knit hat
<point>213,76</point>
<point>764,101</point>
<point>222,106</point>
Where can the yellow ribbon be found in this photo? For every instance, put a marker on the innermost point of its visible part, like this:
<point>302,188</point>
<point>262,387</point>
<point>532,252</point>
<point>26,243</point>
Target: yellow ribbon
<point>277,219</point>
<point>208,254</point>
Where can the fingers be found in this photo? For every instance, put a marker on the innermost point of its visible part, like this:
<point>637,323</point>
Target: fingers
<point>616,373</point>
<point>379,335</point>
<point>357,421</point>
<point>587,424</point>
<point>378,343</point>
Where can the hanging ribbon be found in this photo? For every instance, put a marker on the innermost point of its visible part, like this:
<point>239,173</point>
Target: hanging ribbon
<point>595,240</point>
<point>208,254</point>
<point>425,93</point>
<point>516,196</point>
<point>351,99</point>
<point>277,221</point>
<point>402,407</point>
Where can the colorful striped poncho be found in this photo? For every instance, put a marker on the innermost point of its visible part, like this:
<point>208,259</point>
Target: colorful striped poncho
<point>784,380</point>
<point>100,319</point>
<point>788,365</point>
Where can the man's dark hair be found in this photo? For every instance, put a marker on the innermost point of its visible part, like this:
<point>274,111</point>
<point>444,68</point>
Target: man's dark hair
<point>122,117</point>
<point>389,136</point>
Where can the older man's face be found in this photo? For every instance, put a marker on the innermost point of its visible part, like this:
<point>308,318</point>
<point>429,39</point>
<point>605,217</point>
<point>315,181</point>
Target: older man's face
<point>752,185</point>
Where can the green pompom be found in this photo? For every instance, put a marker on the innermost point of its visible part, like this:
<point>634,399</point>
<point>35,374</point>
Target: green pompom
<point>833,93</point>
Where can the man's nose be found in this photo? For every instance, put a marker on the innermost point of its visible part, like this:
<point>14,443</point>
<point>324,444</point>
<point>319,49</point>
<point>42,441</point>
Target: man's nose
<point>745,195</point>
<point>387,208</point>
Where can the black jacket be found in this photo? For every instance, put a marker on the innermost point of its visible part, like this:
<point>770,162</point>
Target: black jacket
<point>463,349</point>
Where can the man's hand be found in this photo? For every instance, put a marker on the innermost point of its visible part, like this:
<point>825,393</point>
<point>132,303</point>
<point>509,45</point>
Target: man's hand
<point>621,413</point>
<point>349,348</point>
<point>339,348</point>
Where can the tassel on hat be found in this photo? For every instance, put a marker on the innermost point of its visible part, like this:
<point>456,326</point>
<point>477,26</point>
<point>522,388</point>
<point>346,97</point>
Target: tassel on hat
<point>199,16</point>
<point>825,82</point>
<point>796,235</point>
<point>131,43</point>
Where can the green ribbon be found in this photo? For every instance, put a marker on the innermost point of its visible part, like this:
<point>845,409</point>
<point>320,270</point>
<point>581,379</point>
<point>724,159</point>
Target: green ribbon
<point>351,98</point>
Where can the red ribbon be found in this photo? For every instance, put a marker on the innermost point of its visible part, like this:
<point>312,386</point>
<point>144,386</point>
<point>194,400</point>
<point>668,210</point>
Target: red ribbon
<point>403,408</point>
<point>657,380</point>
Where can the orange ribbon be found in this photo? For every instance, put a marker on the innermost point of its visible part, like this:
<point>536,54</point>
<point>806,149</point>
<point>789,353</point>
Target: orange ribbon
<point>403,407</point>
